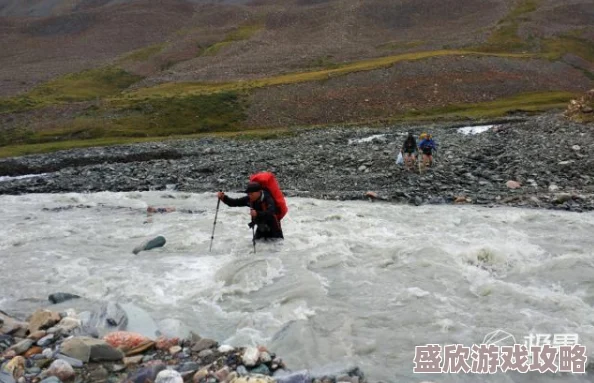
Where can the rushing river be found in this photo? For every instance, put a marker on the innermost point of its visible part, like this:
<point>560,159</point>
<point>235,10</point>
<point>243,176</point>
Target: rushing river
<point>354,282</point>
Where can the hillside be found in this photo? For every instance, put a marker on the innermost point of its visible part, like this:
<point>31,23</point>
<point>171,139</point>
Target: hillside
<point>124,70</point>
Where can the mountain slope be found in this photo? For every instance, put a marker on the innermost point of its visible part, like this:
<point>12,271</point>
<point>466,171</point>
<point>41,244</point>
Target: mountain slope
<point>284,62</point>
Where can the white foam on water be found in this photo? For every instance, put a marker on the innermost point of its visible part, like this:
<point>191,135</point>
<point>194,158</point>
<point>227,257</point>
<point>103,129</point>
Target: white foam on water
<point>11,178</point>
<point>352,282</point>
<point>375,137</point>
<point>475,129</point>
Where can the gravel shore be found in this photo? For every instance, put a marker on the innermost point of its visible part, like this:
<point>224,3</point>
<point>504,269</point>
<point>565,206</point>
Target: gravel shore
<point>108,344</point>
<point>546,157</point>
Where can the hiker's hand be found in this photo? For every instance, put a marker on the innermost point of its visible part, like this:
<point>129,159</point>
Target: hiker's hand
<point>253,213</point>
<point>221,195</point>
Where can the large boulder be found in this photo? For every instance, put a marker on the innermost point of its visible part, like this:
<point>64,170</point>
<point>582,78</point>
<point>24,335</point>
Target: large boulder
<point>112,316</point>
<point>90,349</point>
<point>9,325</point>
<point>582,109</point>
<point>42,320</point>
<point>107,318</point>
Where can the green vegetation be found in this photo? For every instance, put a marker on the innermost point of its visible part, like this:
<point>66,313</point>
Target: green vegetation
<point>17,104</point>
<point>522,8</point>
<point>145,53</point>
<point>84,86</point>
<point>505,38</point>
<point>556,47</point>
<point>570,43</point>
<point>147,118</point>
<point>241,33</point>
<point>176,89</point>
<point>527,102</point>
<point>108,83</point>
<point>221,115</point>
<point>176,110</point>
<point>48,147</point>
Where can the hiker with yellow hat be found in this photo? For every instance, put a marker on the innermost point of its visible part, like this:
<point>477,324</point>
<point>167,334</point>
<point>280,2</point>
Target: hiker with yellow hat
<point>427,147</point>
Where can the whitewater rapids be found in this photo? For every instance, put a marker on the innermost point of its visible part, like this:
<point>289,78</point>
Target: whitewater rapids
<point>354,282</point>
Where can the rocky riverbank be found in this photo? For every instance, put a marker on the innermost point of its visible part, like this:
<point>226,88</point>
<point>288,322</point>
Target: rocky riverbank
<point>540,161</point>
<point>53,346</point>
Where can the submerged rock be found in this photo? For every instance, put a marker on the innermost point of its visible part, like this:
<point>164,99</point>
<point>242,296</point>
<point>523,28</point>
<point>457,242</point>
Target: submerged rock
<point>150,244</point>
<point>56,298</point>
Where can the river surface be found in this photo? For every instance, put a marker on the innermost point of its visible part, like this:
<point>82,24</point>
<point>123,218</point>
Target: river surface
<point>353,283</point>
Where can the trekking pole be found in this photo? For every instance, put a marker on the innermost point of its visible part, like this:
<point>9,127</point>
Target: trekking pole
<point>254,237</point>
<point>215,223</point>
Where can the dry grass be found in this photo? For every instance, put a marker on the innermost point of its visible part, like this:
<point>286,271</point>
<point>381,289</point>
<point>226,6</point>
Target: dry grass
<point>244,32</point>
<point>183,89</point>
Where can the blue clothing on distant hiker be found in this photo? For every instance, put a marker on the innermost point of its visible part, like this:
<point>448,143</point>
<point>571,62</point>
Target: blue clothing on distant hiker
<point>428,146</point>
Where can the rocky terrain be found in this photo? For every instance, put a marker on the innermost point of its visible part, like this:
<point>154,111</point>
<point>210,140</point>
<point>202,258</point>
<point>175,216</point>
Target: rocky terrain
<point>539,161</point>
<point>56,345</point>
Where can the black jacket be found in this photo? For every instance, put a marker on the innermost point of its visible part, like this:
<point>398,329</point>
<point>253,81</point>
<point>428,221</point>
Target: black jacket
<point>268,224</point>
<point>410,145</point>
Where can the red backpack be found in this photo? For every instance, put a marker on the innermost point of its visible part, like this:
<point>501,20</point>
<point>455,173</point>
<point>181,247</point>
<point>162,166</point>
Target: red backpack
<point>268,182</point>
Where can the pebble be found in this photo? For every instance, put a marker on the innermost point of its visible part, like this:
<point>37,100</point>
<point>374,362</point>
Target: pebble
<point>47,353</point>
<point>250,356</point>
<point>169,376</point>
<point>72,361</point>
<point>225,348</point>
<point>261,369</point>
<point>46,340</point>
<point>174,350</point>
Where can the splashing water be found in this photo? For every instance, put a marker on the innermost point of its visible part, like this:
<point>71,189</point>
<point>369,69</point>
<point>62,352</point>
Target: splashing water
<point>353,282</point>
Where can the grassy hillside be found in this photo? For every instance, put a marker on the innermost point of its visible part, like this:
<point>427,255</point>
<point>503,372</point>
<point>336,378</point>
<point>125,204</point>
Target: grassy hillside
<point>233,68</point>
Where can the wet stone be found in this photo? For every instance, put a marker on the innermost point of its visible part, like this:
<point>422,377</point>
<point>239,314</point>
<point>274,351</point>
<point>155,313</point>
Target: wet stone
<point>189,366</point>
<point>261,369</point>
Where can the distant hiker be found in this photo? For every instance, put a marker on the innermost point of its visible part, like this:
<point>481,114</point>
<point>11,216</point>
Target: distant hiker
<point>409,151</point>
<point>263,211</point>
<point>427,147</point>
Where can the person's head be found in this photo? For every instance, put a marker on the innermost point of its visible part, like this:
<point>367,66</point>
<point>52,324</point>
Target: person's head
<point>410,139</point>
<point>423,136</point>
<point>253,190</point>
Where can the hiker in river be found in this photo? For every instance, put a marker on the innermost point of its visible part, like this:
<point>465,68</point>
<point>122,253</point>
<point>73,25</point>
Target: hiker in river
<point>427,147</point>
<point>263,211</point>
<point>409,151</point>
